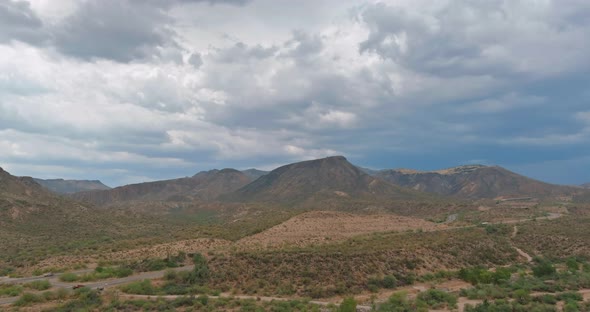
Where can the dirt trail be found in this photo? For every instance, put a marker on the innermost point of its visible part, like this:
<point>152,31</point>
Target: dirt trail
<point>244,297</point>
<point>520,251</point>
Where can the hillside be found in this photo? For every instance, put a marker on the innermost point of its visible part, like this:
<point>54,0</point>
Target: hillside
<point>475,182</point>
<point>61,186</point>
<point>585,185</point>
<point>31,217</point>
<point>331,177</point>
<point>254,174</point>
<point>205,186</point>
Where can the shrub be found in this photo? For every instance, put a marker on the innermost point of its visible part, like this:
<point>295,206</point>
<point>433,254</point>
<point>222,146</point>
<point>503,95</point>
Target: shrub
<point>348,305</point>
<point>39,285</point>
<point>10,290</point>
<point>27,299</point>
<point>68,277</point>
<point>543,268</point>
<point>436,299</point>
<point>572,264</point>
<point>144,287</point>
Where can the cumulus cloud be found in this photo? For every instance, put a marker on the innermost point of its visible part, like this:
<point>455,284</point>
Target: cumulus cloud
<point>116,85</point>
<point>19,22</point>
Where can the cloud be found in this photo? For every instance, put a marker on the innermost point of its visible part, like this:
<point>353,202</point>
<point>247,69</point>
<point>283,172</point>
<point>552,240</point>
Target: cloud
<point>115,85</point>
<point>19,22</point>
<point>470,38</point>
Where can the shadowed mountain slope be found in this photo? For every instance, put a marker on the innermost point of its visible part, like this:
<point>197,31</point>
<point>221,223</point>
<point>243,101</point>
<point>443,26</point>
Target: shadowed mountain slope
<point>61,186</point>
<point>254,174</point>
<point>332,176</point>
<point>205,186</point>
<point>475,182</point>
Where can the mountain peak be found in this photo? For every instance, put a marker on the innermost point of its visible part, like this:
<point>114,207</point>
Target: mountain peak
<point>298,182</point>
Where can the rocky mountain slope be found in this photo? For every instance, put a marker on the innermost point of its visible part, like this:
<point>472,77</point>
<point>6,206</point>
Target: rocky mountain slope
<point>61,186</point>
<point>254,174</point>
<point>327,177</point>
<point>475,182</point>
<point>205,186</point>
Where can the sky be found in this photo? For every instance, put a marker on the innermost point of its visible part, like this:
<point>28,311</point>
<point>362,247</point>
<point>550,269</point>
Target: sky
<point>128,91</point>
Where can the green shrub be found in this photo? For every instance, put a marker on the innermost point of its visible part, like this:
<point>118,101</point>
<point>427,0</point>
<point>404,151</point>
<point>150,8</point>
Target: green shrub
<point>28,299</point>
<point>68,277</point>
<point>348,305</point>
<point>572,264</point>
<point>437,299</point>
<point>8,290</point>
<point>144,287</point>
<point>39,285</point>
<point>544,268</point>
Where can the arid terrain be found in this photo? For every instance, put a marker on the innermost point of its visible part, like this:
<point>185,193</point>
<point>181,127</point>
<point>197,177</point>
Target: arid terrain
<point>322,229</point>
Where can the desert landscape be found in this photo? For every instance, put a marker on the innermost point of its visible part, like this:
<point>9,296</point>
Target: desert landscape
<point>295,156</point>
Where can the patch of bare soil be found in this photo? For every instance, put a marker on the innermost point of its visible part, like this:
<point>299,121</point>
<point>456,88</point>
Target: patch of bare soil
<point>328,226</point>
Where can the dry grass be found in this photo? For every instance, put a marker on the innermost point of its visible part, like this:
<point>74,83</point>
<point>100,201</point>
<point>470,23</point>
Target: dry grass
<point>328,226</point>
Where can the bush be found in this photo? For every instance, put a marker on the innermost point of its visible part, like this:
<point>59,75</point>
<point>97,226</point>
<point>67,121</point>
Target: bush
<point>39,285</point>
<point>572,264</point>
<point>68,277</point>
<point>144,287</point>
<point>437,299</point>
<point>477,275</point>
<point>544,268</point>
<point>389,282</point>
<point>348,305</point>
<point>28,299</point>
<point>398,302</point>
<point>7,290</point>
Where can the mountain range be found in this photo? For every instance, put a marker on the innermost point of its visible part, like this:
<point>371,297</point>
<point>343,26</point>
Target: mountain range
<point>203,186</point>
<point>475,182</point>
<point>313,181</point>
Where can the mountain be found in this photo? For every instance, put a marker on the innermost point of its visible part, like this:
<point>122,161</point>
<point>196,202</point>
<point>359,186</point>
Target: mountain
<point>254,174</point>
<point>205,186</point>
<point>327,177</point>
<point>475,182</point>
<point>586,185</point>
<point>31,217</point>
<point>61,186</point>
<point>369,171</point>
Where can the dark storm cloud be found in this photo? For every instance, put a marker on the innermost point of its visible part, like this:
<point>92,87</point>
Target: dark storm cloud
<point>478,37</point>
<point>19,22</point>
<point>122,30</point>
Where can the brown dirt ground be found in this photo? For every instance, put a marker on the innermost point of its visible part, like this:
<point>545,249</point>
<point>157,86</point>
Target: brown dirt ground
<point>156,251</point>
<point>328,226</point>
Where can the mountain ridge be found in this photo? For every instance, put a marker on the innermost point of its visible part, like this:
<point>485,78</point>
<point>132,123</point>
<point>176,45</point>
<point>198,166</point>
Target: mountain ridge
<point>474,182</point>
<point>205,186</point>
<point>64,186</point>
<point>302,181</point>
